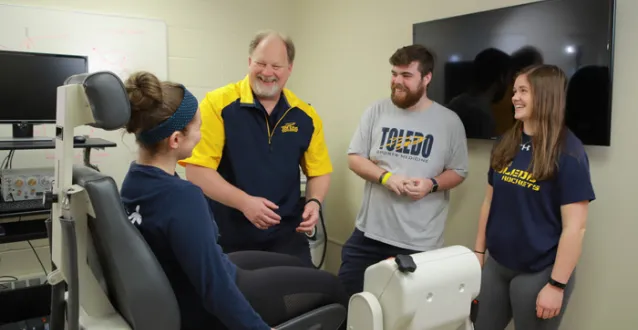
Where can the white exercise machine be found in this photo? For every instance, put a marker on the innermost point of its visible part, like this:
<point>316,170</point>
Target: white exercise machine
<point>433,290</point>
<point>106,277</point>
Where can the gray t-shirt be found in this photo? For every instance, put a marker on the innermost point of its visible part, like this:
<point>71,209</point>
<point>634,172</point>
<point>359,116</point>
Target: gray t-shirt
<point>415,144</point>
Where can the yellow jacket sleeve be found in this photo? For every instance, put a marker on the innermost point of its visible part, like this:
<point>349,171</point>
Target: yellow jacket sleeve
<point>208,152</point>
<point>316,160</point>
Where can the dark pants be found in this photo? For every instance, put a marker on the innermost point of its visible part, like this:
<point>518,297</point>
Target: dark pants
<point>295,245</point>
<point>280,287</point>
<point>507,294</point>
<point>358,254</point>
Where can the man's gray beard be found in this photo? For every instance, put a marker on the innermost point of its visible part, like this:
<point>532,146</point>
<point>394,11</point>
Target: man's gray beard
<point>261,91</point>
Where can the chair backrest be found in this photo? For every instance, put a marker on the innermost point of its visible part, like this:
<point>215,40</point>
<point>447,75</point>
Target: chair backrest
<point>136,284</point>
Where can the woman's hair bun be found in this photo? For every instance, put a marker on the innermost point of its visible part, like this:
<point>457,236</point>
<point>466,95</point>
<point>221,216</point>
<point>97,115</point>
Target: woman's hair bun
<point>145,95</point>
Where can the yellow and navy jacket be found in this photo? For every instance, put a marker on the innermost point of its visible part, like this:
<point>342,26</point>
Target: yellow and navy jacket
<point>259,154</point>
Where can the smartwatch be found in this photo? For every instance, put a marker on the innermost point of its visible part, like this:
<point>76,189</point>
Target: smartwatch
<point>435,185</point>
<point>557,284</point>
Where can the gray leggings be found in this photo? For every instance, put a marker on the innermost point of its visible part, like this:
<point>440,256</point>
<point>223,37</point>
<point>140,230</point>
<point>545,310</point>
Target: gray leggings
<point>506,293</point>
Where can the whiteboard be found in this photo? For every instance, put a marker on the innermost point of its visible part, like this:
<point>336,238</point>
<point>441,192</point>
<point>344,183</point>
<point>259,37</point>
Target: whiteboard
<point>118,44</point>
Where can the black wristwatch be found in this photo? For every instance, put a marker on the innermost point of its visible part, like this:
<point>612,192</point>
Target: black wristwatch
<point>435,185</point>
<point>557,284</point>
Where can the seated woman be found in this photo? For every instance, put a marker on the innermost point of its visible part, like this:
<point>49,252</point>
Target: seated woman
<point>176,222</point>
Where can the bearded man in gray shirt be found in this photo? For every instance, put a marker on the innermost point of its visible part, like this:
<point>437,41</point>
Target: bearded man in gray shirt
<point>411,151</point>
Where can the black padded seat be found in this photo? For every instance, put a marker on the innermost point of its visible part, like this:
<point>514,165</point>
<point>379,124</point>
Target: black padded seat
<point>137,285</point>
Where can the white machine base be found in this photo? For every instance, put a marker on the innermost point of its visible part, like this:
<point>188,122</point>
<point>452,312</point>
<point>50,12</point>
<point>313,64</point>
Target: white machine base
<point>432,290</point>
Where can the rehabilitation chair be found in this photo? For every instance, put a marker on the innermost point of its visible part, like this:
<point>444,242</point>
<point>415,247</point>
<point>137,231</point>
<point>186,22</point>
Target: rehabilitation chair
<point>105,275</point>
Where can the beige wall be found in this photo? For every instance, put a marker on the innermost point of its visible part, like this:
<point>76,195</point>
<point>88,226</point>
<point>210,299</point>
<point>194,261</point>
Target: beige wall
<point>342,66</point>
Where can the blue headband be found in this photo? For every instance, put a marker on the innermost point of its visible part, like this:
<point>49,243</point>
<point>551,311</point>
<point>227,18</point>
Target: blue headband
<point>182,116</point>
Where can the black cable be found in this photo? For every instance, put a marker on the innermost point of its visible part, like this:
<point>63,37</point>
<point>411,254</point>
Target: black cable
<point>12,153</point>
<point>10,279</point>
<point>325,232</point>
<point>5,161</point>
<point>9,159</point>
<point>5,279</point>
<point>325,243</point>
<point>36,255</point>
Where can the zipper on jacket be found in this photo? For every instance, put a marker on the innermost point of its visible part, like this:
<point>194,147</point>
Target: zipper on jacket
<point>271,133</point>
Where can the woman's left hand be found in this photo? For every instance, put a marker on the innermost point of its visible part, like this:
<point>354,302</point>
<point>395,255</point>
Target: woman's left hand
<point>549,302</point>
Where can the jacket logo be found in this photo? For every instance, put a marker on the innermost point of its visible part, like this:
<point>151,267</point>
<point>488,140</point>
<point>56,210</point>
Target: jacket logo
<point>135,217</point>
<point>289,127</point>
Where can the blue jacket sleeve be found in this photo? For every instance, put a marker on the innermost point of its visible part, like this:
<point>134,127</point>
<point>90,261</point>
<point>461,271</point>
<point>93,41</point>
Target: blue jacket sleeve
<point>193,237</point>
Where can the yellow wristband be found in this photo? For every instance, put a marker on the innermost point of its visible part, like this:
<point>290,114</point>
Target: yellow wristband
<point>385,178</point>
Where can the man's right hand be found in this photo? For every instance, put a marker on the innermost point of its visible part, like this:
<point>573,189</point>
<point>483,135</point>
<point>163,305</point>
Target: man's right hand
<point>260,212</point>
<point>396,183</point>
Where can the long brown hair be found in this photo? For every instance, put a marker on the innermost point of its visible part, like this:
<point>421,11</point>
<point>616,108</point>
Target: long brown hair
<point>548,87</point>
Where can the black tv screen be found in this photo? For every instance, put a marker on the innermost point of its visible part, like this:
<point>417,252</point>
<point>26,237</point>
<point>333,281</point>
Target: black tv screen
<point>477,56</point>
<point>29,82</point>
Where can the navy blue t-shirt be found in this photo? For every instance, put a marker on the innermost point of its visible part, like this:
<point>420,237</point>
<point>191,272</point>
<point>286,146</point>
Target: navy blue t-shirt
<point>525,223</point>
<point>174,218</point>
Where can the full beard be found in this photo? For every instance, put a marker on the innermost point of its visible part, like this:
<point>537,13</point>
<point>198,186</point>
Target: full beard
<point>263,90</point>
<point>408,98</point>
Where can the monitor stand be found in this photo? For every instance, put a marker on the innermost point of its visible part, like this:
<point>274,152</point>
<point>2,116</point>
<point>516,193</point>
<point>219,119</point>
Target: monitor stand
<point>23,132</point>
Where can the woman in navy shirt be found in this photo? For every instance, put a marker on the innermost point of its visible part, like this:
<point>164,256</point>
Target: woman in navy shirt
<point>174,218</point>
<point>533,217</point>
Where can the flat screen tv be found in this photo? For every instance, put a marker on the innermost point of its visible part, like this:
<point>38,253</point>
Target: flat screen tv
<point>477,56</point>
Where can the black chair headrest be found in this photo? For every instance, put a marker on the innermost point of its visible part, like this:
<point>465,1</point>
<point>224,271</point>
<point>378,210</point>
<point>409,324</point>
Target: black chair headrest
<point>107,98</point>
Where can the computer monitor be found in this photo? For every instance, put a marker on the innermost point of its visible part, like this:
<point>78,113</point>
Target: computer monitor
<point>28,87</point>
